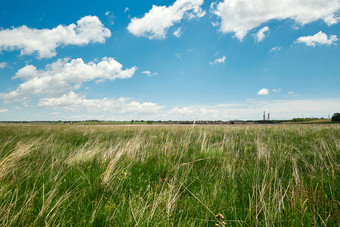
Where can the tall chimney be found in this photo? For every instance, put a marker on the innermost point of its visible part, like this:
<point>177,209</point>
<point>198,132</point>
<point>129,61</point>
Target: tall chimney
<point>264,116</point>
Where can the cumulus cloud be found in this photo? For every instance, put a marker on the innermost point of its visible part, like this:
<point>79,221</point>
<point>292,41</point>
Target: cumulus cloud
<point>63,76</point>
<point>319,38</point>
<point>76,103</point>
<point>44,42</point>
<point>191,112</point>
<point>253,110</point>
<point>275,49</point>
<point>3,110</point>
<point>260,35</point>
<point>148,73</point>
<point>292,94</point>
<point>110,17</point>
<point>3,65</point>
<point>276,90</point>
<point>74,106</point>
<point>218,61</point>
<point>263,91</point>
<point>240,16</point>
<point>178,32</point>
<point>159,19</point>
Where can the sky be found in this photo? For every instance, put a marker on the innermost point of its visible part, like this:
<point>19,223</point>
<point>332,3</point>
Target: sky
<point>169,60</point>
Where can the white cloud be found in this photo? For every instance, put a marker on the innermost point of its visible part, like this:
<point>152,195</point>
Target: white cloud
<point>155,23</point>
<point>275,49</point>
<point>292,94</point>
<point>178,55</point>
<point>110,17</point>
<point>55,114</point>
<point>76,103</point>
<point>215,24</point>
<point>3,65</point>
<point>191,112</point>
<point>73,106</point>
<point>218,61</point>
<point>63,76</point>
<point>148,73</point>
<point>240,16</point>
<point>260,35</point>
<point>126,9</point>
<point>276,90</point>
<point>3,110</point>
<point>178,32</point>
<point>44,42</point>
<point>253,110</point>
<point>263,91</point>
<point>319,38</point>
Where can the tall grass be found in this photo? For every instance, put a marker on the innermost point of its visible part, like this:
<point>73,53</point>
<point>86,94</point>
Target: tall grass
<point>169,175</point>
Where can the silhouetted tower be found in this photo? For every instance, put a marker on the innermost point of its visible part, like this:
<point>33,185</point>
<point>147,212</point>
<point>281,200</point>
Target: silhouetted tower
<point>268,118</point>
<point>264,116</point>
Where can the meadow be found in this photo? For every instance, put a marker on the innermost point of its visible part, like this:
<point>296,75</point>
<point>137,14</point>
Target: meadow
<point>257,175</point>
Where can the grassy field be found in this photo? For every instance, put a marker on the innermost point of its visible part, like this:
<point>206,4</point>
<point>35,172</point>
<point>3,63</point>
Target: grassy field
<point>282,175</point>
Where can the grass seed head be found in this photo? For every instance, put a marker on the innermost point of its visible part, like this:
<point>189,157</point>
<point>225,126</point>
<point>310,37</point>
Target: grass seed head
<point>219,217</point>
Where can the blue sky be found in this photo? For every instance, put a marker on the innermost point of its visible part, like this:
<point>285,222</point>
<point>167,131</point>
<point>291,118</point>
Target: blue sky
<point>169,60</point>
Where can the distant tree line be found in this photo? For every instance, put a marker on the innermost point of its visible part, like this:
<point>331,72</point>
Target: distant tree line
<point>336,117</point>
<point>305,119</point>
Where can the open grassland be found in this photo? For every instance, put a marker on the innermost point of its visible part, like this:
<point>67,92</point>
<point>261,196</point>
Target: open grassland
<point>169,175</point>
